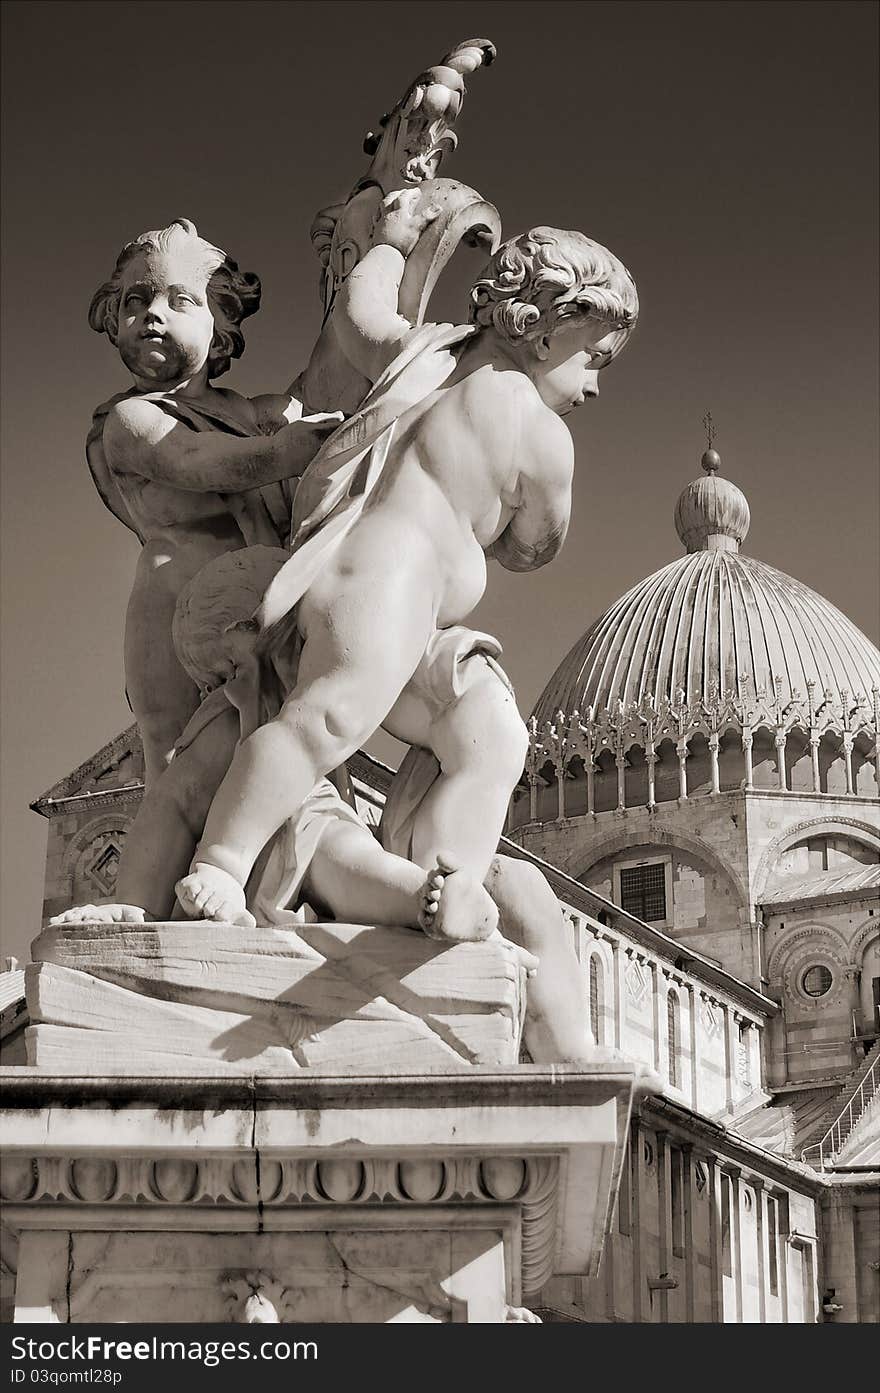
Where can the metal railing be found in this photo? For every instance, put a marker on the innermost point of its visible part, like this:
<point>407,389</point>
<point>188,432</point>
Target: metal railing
<point>833,1141</point>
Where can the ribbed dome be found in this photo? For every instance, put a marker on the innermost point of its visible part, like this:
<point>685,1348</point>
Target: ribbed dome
<point>713,624</point>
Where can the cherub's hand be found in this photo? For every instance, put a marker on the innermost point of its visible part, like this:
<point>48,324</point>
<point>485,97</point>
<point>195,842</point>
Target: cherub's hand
<point>401,221</point>
<point>101,914</point>
<point>301,440</point>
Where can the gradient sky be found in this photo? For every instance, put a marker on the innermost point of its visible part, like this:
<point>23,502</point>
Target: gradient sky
<point>726,151</point>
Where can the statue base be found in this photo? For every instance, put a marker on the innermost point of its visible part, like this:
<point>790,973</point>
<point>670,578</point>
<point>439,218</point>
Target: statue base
<point>195,994</point>
<point>311,1198</point>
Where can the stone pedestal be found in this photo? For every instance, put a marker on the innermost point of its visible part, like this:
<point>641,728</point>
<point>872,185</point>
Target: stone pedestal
<point>313,1197</point>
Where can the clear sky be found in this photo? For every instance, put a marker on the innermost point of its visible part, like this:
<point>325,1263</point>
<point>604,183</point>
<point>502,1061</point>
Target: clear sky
<point>726,151</point>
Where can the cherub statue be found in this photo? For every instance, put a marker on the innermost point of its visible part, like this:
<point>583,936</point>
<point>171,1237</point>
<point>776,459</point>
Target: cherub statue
<point>458,454</point>
<point>179,461</point>
<point>325,860</point>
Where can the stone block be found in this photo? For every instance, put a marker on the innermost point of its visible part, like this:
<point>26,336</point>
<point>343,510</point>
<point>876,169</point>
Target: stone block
<point>331,996</point>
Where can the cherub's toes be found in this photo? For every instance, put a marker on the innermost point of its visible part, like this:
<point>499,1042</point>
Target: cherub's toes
<point>426,923</point>
<point>187,891</point>
<point>212,904</point>
<point>446,862</point>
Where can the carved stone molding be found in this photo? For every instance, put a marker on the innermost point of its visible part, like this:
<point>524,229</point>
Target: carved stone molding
<point>530,1183</point>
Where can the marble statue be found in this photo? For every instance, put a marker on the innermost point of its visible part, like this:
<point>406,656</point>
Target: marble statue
<point>179,461</point>
<point>315,1105</point>
<point>325,861</point>
<point>263,669</point>
<point>457,454</point>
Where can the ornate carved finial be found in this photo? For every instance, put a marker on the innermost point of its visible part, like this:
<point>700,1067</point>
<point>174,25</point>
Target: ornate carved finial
<point>407,149</point>
<point>413,137</point>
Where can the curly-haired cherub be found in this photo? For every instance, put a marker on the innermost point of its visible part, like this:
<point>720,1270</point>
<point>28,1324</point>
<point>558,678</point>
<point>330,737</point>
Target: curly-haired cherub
<point>479,464</point>
<point>180,462</point>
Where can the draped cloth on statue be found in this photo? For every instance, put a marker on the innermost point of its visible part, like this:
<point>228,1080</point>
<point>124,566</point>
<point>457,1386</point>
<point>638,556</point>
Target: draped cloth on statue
<point>263,515</point>
<point>336,485</point>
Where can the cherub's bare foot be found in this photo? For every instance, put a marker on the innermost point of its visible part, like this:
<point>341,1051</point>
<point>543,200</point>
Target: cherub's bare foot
<point>209,893</point>
<point>101,914</point>
<point>455,907</point>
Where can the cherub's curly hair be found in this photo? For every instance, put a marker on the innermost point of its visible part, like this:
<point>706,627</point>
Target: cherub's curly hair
<point>544,276</point>
<point>221,596</point>
<point>232,294</point>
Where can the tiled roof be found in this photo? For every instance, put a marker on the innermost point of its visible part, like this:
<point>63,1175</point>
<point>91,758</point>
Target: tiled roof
<point>852,883</point>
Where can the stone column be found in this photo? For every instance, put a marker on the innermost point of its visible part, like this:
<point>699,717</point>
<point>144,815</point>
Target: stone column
<point>637,1187</point>
<point>682,752</point>
<point>736,1237</point>
<point>694,1023</point>
<point>847,759</point>
<point>755,1060</point>
<point>815,740</point>
<point>620,761</point>
<point>715,1241</point>
<point>747,755</point>
<point>591,784</point>
<point>782,1252</point>
<point>852,973</point>
<point>760,1221</point>
<point>560,789</point>
<point>688,1198</point>
<point>780,741</point>
<point>533,797</point>
<point>617,971</point>
<point>729,1054</point>
<point>657,1014</point>
<point>713,742</point>
<point>664,1209</point>
<point>651,760</point>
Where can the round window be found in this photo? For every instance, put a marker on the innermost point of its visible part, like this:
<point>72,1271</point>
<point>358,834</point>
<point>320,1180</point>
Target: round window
<point>817,980</point>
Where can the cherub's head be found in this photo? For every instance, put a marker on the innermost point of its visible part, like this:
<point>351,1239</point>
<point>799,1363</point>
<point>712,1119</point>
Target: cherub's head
<point>213,628</point>
<point>173,306</point>
<point>564,305</point>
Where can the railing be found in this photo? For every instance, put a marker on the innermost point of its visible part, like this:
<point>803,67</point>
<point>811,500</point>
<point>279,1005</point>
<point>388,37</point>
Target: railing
<point>832,1142</point>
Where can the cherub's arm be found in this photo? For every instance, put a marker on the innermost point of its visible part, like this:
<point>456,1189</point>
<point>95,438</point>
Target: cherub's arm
<point>140,438</point>
<point>160,845</point>
<point>365,319</point>
<point>537,530</point>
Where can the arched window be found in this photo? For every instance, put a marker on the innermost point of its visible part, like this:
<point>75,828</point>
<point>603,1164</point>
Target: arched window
<point>673,1039</point>
<point>597,993</point>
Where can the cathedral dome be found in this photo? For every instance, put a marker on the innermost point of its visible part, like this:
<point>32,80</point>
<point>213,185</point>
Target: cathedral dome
<point>712,626</point>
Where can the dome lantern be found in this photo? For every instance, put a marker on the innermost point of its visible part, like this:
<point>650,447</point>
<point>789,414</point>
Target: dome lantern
<point>712,514</point>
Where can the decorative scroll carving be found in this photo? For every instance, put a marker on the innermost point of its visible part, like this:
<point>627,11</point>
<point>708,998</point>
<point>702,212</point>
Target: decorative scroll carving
<point>407,150</point>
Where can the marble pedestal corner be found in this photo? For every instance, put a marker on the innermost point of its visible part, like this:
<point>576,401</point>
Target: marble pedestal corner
<point>432,1197</point>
